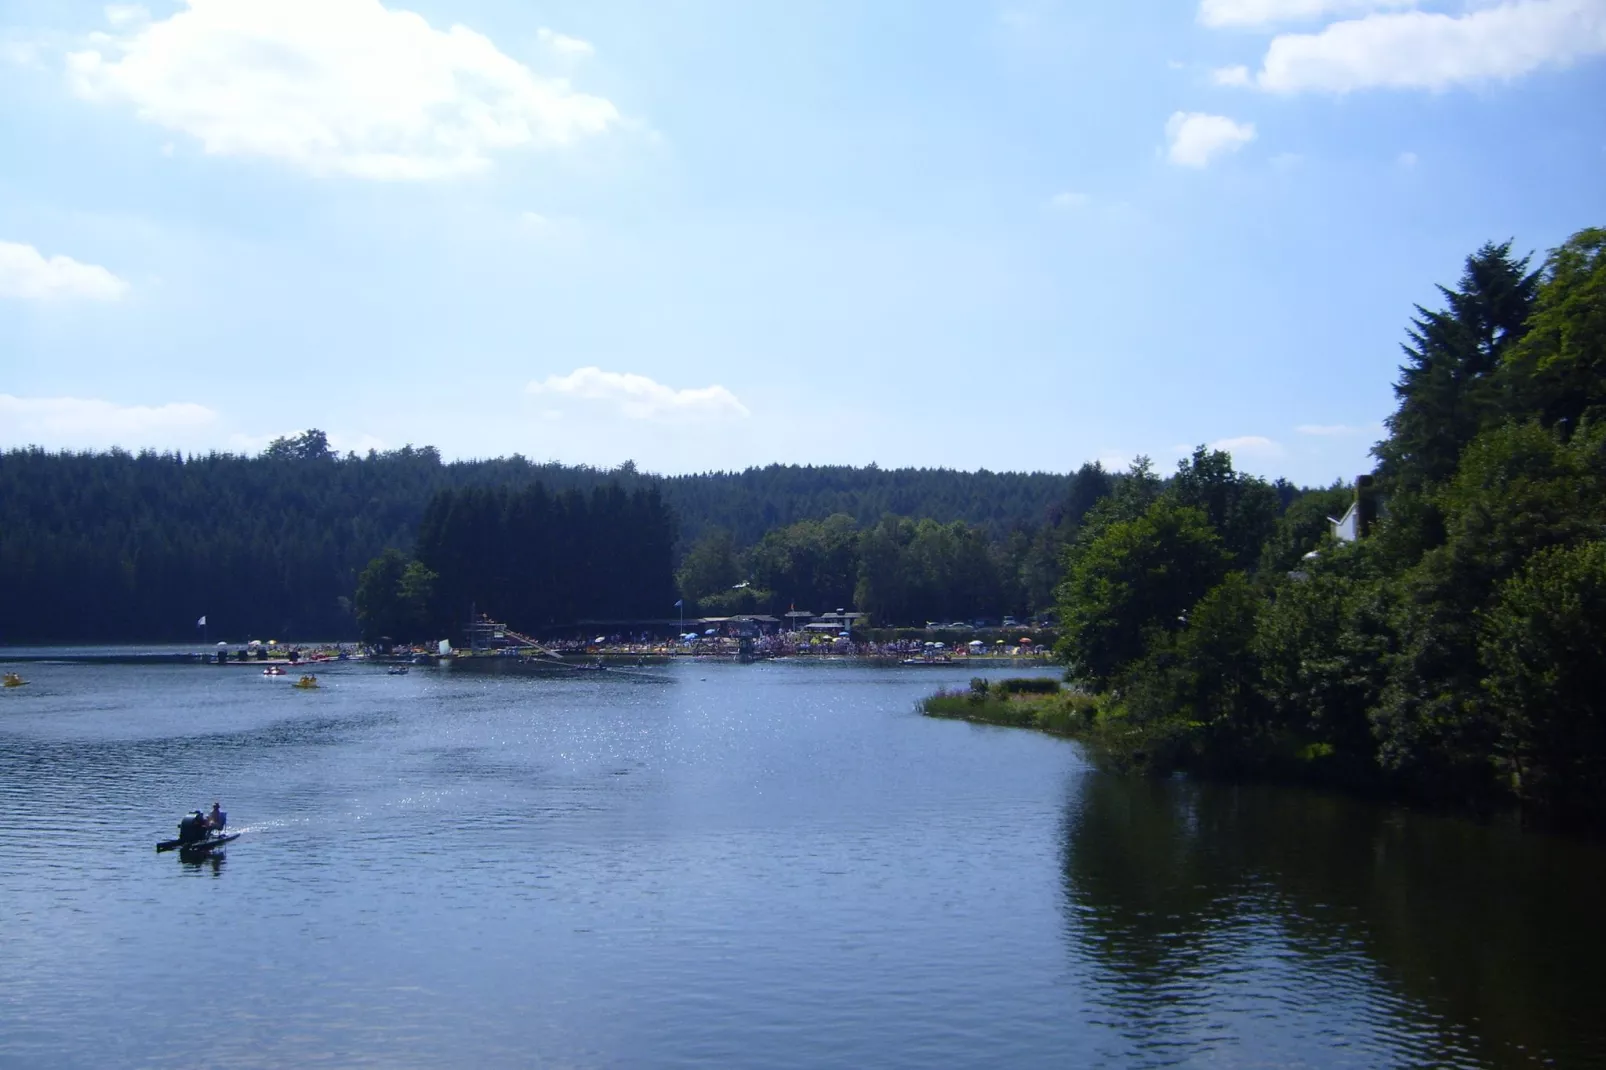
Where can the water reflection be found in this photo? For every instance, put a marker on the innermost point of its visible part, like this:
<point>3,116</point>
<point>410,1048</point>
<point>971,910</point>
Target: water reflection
<point>203,861</point>
<point>1211,912</point>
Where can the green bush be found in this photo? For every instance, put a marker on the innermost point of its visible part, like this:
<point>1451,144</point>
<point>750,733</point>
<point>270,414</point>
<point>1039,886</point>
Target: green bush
<point>1042,685</point>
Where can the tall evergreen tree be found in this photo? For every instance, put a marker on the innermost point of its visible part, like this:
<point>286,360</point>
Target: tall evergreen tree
<point>1447,388</point>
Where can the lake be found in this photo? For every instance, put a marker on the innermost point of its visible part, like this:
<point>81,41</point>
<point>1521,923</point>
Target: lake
<point>778,865</point>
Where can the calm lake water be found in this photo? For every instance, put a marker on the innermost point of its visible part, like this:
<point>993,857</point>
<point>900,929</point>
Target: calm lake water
<point>745,865</point>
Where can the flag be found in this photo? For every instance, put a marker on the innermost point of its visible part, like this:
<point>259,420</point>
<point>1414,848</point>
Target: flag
<point>678,605</point>
<point>201,623</point>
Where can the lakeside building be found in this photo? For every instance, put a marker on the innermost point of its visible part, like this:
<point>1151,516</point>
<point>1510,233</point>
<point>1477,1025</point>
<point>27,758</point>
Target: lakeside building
<point>1357,520</point>
<point>743,626</point>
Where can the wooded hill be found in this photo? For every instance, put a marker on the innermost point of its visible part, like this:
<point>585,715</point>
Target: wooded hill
<point>117,546</point>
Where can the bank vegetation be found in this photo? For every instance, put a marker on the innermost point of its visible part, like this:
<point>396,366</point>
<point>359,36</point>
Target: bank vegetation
<point>1455,653</point>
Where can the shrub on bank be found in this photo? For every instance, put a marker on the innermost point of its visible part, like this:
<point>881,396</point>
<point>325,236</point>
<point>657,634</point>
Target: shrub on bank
<point>1028,703</point>
<point>1038,685</point>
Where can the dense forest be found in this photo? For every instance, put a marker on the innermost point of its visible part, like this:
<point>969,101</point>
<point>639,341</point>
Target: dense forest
<point>119,546</point>
<point>1456,651</point>
<point>900,569</point>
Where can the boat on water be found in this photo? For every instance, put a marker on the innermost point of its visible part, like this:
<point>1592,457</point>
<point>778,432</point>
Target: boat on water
<point>396,670</point>
<point>273,670</point>
<point>197,835</point>
<point>11,679</point>
<point>308,681</point>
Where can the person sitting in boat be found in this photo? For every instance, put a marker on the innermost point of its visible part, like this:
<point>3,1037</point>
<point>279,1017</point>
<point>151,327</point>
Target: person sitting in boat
<point>217,819</point>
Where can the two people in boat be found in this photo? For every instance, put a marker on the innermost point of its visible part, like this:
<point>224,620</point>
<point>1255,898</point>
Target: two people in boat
<point>198,826</point>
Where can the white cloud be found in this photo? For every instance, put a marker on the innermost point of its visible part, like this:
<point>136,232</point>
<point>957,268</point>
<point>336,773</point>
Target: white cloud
<point>564,45</point>
<point>1249,446</point>
<point>123,14</point>
<point>334,86</point>
<point>1230,76</point>
<point>28,274</point>
<point>21,53</point>
<point>1114,460</point>
<point>1406,160</point>
<point>86,422</point>
<point>1422,50</point>
<point>1068,200</point>
<point>1195,139</point>
<point>640,398</point>
<point>1271,12</point>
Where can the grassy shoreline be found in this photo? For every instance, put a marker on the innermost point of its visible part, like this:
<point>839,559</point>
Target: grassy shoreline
<point>1116,742</point>
<point>1040,703</point>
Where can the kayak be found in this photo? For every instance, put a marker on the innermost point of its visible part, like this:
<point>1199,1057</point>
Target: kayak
<point>197,845</point>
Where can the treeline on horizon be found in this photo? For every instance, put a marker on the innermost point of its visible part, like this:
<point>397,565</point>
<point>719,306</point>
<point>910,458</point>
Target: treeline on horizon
<point>115,546</point>
<point>1455,653</point>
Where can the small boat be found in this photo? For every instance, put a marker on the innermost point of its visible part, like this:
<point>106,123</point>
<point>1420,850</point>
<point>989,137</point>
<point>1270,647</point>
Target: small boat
<point>11,679</point>
<point>196,836</point>
<point>200,846</point>
<point>273,670</point>
<point>308,681</point>
<point>396,670</point>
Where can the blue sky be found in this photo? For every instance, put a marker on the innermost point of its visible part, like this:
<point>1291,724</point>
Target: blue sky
<point>709,235</point>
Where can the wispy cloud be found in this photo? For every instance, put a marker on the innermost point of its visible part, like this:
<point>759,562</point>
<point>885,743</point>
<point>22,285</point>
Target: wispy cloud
<point>67,422</point>
<point>564,45</point>
<point>637,397</point>
<point>1194,139</point>
<point>1435,51</point>
<point>28,274</point>
<point>1249,446</point>
<point>334,86</point>
<point>1069,200</point>
<point>1273,12</point>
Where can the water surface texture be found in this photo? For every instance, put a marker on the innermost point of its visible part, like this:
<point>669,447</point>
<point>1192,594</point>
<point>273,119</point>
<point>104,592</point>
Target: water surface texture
<point>769,865</point>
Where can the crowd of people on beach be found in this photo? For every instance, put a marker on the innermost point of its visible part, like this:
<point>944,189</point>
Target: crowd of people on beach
<point>784,644</point>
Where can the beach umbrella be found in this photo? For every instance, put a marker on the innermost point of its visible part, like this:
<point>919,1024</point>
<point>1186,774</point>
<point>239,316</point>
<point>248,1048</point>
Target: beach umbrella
<point>223,644</point>
<point>600,639</point>
<point>1025,641</point>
